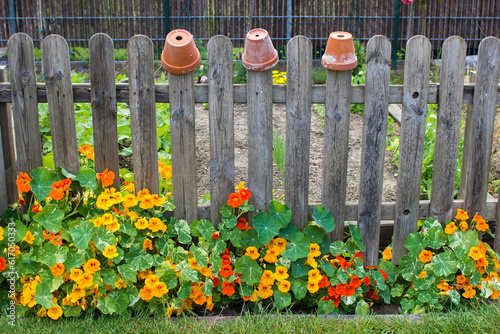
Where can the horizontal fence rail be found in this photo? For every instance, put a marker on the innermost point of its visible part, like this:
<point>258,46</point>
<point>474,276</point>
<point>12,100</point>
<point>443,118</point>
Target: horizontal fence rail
<point>142,93</point>
<point>81,93</point>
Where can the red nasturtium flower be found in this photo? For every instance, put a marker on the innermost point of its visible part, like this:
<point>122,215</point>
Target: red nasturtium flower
<point>235,200</point>
<point>215,280</point>
<point>3,264</point>
<point>227,288</point>
<point>23,183</point>
<point>355,282</point>
<point>215,235</point>
<point>106,177</point>
<point>366,280</point>
<point>245,194</point>
<point>226,270</point>
<point>242,224</point>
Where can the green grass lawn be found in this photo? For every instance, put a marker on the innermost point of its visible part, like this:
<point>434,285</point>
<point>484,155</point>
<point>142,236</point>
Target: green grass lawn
<point>483,319</point>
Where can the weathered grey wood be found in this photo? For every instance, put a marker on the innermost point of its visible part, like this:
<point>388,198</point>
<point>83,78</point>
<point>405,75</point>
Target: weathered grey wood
<point>298,127</point>
<point>448,128</point>
<point>387,212</point>
<point>103,92</point>
<point>416,89</point>
<point>482,122</point>
<point>221,122</point>
<point>467,138</point>
<point>24,102</point>
<point>183,146</point>
<point>260,139</point>
<point>9,154</point>
<point>81,93</point>
<point>57,73</point>
<point>336,147</point>
<point>378,66</point>
<point>4,201</point>
<point>143,113</point>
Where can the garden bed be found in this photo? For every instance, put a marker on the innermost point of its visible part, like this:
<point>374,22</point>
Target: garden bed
<point>316,155</point>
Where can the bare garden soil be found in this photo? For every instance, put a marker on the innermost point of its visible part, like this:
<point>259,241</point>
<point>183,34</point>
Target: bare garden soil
<point>316,154</point>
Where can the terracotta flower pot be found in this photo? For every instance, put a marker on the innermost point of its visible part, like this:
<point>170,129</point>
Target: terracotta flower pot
<point>259,53</point>
<point>339,54</point>
<point>180,55</point>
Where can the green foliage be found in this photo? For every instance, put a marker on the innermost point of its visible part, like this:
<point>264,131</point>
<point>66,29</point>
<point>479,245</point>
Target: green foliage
<point>428,160</point>
<point>279,153</point>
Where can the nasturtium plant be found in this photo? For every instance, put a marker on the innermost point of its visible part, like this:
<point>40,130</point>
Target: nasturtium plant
<point>83,245</point>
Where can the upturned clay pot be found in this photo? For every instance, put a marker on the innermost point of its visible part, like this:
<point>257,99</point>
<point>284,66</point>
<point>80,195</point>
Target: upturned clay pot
<point>339,54</point>
<point>259,53</point>
<point>180,55</point>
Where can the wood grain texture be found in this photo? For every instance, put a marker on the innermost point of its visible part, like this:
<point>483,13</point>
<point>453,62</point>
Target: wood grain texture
<point>57,73</point>
<point>81,93</point>
<point>336,147</point>
<point>448,128</point>
<point>4,201</point>
<point>416,89</point>
<point>143,113</point>
<point>24,103</point>
<point>8,145</point>
<point>260,139</point>
<point>483,118</point>
<point>378,60</point>
<point>103,92</point>
<point>298,127</point>
<point>386,213</point>
<point>467,138</point>
<point>183,146</point>
<point>221,122</point>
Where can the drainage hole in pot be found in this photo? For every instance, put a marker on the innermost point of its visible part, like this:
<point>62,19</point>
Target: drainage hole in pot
<point>257,35</point>
<point>178,38</point>
<point>341,36</point>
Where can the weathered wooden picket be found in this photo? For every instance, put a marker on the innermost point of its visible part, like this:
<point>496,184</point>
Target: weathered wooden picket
<point>24,93</point>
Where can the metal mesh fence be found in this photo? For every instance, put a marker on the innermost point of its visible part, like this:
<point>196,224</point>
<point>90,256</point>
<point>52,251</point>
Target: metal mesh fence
<point>78,20</point>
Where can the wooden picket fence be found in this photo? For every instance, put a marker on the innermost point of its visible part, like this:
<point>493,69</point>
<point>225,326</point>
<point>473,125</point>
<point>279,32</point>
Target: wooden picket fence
<point>24,93</point>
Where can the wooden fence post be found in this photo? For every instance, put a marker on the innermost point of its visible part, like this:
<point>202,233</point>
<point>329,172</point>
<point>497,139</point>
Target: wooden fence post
<point>298,127</point>
<point>260,138</point>
<point>104,119</point>
<point>221,122</point>
<point>378,58</point>
<point>24,102</point>
<point>448,127</point>
<point>143,113</point>
<point>57,72</point>
<point>415,96</point>
<point>482,121</point>
<point>336,147</point>
<point>467,136</point>
<point>8,146</point>
<point>183,145</point>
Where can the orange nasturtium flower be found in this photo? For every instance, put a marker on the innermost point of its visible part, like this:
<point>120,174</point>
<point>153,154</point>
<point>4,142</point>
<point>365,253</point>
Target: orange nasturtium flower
<point>164,170</point>
<point>253,252</point>
<point>463,226</point>
<point>54,312</point>
<point>29,238</point>
<point>59,189</point>
<point>450,228</point>
<point>147,292</point>
<point>106,177</point>
<point>92,266</point>
<point>245,194</point>
<point>461,215</point>
<point>481,224</point>
<point>57,269</point>
<point>87,151</point>
<point>235,200</point>
<point>425,256</point>
<point>228,288</point>
<point>23,183</point>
